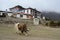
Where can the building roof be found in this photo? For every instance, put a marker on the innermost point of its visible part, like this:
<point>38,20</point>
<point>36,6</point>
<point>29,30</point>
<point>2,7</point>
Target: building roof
<point>33,9</point>
<point>18,6</point>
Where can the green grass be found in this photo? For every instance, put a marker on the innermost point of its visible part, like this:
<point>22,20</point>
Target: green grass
<point>35,31</point>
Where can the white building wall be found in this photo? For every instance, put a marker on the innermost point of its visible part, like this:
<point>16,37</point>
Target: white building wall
<point>33,16</point>
<point>1,13</point>
<point>18,15</point>
<point>9,14</point>
<point>29,11</point>
<point>26,11</point>
<point>24,16</point>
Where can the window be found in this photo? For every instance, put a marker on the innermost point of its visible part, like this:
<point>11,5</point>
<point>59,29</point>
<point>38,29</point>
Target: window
<point>21,15</point>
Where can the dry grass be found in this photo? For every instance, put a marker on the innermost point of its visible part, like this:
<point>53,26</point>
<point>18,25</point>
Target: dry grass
<point>36,33</point>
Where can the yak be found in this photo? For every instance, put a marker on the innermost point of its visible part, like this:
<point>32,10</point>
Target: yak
<point>21,27</point>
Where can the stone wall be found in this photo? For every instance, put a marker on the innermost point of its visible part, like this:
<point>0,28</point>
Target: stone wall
<point>10,20</point>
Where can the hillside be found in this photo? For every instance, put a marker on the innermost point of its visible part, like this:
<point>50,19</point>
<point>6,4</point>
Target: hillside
<point>52,15</point>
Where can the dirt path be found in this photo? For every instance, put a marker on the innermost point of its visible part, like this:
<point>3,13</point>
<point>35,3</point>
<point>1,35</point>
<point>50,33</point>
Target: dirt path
<point>37,33</point>
<point>22,38</point>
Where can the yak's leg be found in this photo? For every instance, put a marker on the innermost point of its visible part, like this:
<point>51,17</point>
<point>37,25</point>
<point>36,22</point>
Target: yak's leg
<point>22,31</point>
<point>25,33</point>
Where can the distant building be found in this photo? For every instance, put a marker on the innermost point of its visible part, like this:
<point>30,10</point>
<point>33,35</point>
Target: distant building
<point>20,12</point>
<point>28,13</point>
<point>5,13</point>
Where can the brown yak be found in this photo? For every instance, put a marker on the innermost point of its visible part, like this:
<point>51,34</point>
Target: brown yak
<point>21,27</point>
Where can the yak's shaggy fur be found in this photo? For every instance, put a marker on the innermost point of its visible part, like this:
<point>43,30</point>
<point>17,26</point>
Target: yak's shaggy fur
<point>21,27</point>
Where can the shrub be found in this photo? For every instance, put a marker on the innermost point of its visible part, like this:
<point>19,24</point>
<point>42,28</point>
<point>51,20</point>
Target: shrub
<point>53,23</point>
<point>58,23</point>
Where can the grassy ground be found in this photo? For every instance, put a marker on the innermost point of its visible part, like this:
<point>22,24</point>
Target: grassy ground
<point>7,32</point>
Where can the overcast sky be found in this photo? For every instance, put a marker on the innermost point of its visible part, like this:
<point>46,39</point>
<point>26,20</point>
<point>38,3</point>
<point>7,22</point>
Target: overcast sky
<point>41,5</point>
